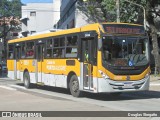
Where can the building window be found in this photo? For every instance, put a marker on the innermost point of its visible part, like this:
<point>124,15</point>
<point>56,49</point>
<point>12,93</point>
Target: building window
<point>33,13</point>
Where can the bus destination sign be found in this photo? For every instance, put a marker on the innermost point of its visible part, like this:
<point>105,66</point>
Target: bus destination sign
<point>123,29</point>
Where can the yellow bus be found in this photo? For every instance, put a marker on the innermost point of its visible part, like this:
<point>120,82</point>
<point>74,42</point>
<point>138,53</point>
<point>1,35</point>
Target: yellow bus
<point>97,58</point>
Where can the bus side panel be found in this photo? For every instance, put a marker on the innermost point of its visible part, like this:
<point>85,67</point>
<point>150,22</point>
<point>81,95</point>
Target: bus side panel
<point>55,71</point>
<point>10,66</point>
<point>48,79</point>
<point>73,65</point>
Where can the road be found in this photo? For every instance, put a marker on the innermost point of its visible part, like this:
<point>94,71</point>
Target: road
<point>14,97</point>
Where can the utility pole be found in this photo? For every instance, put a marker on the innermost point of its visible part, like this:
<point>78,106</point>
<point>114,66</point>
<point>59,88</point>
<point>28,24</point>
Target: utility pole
<point>118,10</point>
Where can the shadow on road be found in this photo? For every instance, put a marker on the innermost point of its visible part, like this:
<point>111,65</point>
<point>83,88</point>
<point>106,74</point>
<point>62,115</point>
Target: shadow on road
<point>124,96</point>
<point>104,97</point>
<point>49,88</point>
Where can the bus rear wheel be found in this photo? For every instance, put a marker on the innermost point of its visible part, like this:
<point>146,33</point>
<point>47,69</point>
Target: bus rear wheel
<point>26,80</point>
<point>74,86</point>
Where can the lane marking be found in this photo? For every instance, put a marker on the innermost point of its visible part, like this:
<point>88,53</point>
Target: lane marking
<point>16,86</point>
<point>8,88</point>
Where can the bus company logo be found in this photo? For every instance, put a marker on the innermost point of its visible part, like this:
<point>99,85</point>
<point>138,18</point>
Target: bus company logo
<point>6,114</point>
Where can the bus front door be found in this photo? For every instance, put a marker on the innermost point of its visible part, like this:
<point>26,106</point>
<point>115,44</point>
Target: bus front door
<point>39,57</point>
<point>17,63</point>
<point>87,67</point>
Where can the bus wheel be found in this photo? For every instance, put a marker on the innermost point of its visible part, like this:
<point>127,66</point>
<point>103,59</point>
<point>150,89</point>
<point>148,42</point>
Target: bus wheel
<point>26,80</point>
<point>74,86</point>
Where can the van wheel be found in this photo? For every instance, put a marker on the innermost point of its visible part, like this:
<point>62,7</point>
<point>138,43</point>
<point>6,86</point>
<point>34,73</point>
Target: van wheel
<point>26,80</point>
<point>74,86</point>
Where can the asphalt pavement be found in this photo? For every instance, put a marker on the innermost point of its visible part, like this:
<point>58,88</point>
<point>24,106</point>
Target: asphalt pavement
<point>59,99</point>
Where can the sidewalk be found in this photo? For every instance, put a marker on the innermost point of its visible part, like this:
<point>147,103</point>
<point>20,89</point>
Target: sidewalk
<point>154,78</point>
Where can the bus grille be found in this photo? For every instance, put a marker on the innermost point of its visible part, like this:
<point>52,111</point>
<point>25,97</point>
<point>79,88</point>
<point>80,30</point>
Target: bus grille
<point>126,85</point>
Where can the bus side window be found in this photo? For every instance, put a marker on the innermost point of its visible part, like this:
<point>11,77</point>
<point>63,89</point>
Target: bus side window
<point>58,53</point>
<point>11,51</point>
<point>59,47</point>
<point>49,48</point>
<point>30,50</point>
<point>11,55</point>
<point>23,50</point>
<point>71,46</point>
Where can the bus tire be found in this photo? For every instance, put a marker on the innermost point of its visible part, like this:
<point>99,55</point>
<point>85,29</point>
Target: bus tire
<point>74,86</point>
<point>26,80</point>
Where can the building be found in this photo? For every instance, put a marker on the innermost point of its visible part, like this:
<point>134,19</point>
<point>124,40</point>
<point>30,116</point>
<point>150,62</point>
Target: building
<point>39,17</point>
<point>71,16</point>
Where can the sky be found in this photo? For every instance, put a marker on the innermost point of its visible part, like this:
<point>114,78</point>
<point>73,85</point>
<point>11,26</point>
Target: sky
<point>36,1</point>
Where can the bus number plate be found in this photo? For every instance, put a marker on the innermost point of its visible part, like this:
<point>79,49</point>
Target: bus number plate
<point>128,84</point>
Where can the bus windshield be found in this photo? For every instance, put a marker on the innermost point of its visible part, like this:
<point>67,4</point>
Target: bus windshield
<point>125,51</point>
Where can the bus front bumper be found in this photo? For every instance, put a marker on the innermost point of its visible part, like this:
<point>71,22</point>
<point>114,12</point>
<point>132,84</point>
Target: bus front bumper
<point>108,85</point>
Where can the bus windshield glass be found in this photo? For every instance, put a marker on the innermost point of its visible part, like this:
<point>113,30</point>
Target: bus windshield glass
<point>125,51</point>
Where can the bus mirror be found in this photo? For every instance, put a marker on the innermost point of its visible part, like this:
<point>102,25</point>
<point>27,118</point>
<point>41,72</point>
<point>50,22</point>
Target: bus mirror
<point>99,44</point>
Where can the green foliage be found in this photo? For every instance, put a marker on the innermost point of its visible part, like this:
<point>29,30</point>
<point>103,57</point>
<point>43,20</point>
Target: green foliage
<point>10,11</point>
<point>16,7</point>
<point>128,12</point>
<point>10,8</point>
<point>92,9</point>
<point>109,4</point>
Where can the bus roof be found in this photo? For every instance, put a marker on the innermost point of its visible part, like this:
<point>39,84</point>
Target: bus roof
<point>88,27</point>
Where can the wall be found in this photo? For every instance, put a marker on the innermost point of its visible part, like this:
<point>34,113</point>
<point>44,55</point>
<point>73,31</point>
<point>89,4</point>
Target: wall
<point>42,21</point>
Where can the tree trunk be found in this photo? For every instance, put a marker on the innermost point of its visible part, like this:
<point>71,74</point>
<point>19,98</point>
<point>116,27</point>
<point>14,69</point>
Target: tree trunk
<point>155,51</point>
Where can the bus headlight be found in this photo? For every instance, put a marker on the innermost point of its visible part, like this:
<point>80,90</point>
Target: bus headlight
<point>103,74</point>
<point>147,75</point>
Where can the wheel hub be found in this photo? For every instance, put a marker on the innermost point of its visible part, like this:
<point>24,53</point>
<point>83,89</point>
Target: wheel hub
<point>75,86</point>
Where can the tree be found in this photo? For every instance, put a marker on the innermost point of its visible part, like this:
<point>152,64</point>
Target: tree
<point>152,13</point>
<point>132,14</point>
<point>92,9</point>
<point>10,12</point>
